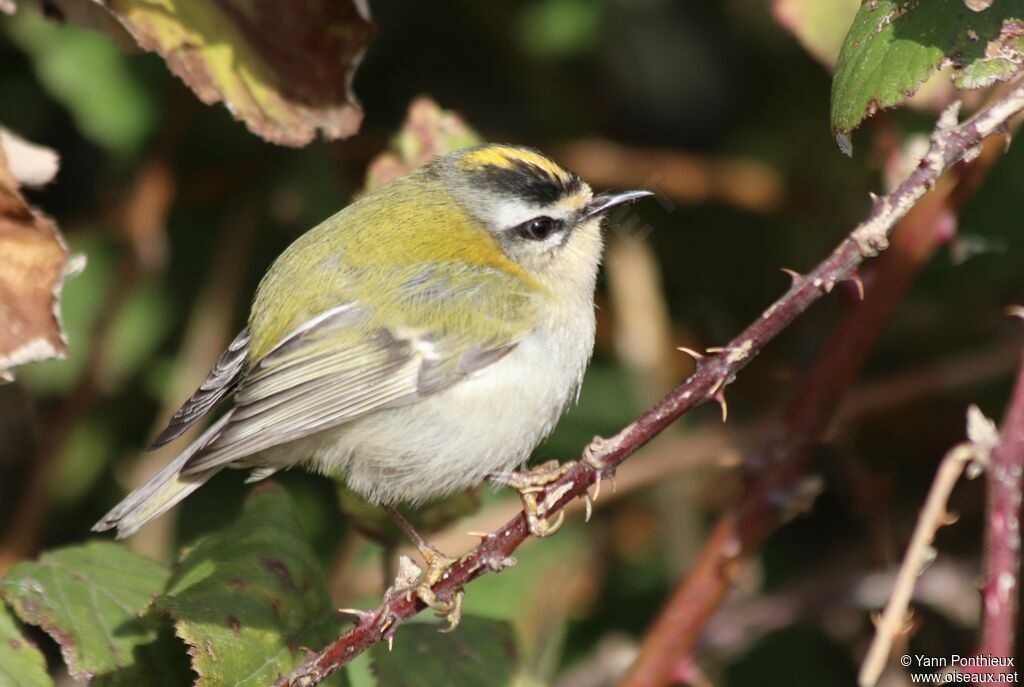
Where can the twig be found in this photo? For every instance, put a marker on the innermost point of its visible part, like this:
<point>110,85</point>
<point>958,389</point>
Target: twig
<point>707,449</point>
<point>778,488</point>
<point>950,143</point>
<point>1002,540</point>
<point>895,619</point>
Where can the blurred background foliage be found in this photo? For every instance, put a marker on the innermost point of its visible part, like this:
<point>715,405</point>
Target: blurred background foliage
<point>716,106</point>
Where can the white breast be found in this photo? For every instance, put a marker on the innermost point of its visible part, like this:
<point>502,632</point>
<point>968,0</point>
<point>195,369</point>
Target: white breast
<point>487,424</point>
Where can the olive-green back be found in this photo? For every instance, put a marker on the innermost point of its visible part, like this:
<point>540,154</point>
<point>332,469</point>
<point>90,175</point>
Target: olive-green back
<point>410,255</point>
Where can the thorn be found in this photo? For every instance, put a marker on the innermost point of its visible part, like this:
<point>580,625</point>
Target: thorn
<point>483,535</point>
<point>1004,130</point>
<point>715,349</point>
<point>613,483</point>
<point>720,399</point>
<point>362,615</point>
<point>690,352</point>
<point>1016,311</point>
<point>597,486</point>
<point>875,200</point>
<point>391,643</point>
<point>855,278</point>
<point>589,506</point>
<point>829,285</point>
<point>388,622</point>
<point>793,274</point>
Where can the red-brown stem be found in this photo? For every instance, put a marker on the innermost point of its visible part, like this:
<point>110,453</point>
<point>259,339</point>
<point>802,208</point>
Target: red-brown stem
<point>777,471</point>
<point>950,144</point>
<point>1002,539</point>
<point>779,468</point>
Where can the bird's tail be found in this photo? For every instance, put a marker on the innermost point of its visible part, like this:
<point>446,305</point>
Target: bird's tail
<point>162,492</point>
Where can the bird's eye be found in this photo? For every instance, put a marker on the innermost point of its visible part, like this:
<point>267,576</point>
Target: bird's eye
<point>539,228</point>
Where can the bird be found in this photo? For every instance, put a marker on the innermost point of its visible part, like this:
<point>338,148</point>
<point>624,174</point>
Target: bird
<point>423,339</point>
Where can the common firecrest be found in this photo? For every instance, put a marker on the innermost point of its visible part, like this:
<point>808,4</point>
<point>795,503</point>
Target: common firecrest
<point>424,338</point>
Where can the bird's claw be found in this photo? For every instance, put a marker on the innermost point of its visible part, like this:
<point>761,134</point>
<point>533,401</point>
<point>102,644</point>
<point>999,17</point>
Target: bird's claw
<point>438,566</point>
<point>533,482</point>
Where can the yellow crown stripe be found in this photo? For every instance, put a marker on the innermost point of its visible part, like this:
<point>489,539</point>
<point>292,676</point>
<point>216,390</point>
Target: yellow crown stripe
<point>507,157</point>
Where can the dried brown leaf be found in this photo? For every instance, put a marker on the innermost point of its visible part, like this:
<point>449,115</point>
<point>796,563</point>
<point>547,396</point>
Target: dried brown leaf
<point>33,264</point>
<point>30,164</point>
<point>428,131</point>
<point>285,69</point>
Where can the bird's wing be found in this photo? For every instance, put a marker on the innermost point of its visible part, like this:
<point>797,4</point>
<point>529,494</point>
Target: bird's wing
<point>218,383</point>
<point>345,363</point>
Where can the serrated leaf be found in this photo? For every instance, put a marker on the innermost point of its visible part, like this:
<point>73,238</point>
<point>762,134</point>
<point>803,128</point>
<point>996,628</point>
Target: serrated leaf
<point>893,47</point>
<point>89,598</point>
<point>283,68</point>
<point>249,598</point>
<point>1001,61</point>
<point>21,663</point>
<point>480,653</point>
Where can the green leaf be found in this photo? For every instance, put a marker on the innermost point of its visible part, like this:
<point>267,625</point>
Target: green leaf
<point>282,68</point>
<point>21,663</point>
<point>89,599</point>
<point>251,597</point>
<point>480,653</point>
<point>895,45</point>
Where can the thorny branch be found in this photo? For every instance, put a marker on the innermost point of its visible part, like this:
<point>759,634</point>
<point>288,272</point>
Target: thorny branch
<point>950,143</point>
<point>778,486</point>
<point>970,456</point>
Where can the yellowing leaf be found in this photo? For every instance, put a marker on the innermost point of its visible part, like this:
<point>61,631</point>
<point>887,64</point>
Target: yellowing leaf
<point>283,68</point>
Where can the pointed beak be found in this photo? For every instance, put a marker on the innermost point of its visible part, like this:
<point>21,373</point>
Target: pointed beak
<point>606,202</point>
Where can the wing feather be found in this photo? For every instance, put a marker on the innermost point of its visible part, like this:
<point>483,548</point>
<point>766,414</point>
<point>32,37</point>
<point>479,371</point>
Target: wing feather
<point>328,389</point>
<point>343,364</point>
<point>218,383</point>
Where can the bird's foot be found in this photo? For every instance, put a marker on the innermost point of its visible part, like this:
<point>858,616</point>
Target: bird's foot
<point>532,484</point>
<point>438,567</point>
